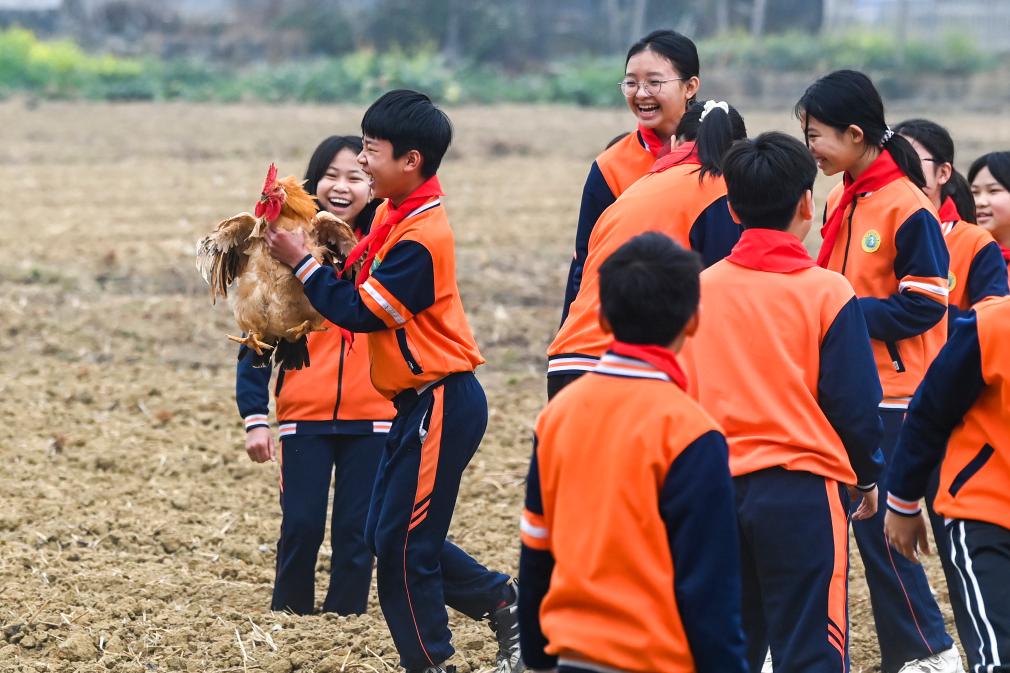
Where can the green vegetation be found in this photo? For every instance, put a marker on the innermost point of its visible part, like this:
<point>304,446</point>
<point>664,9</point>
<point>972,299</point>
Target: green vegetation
<point>61,70</point>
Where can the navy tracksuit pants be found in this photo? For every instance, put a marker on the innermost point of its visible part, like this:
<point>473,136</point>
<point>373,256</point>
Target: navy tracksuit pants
<point>980,555</point>
<point>307,462</point>
<point>434,436</point>
<point>794,554</point>
<point>908,620</point>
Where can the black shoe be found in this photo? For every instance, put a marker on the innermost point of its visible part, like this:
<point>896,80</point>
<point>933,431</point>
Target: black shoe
<point>504,621</point>
<point>434,669</point>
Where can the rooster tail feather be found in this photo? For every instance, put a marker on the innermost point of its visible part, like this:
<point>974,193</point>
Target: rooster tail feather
<point>292,354</point>
<point>257,360</point>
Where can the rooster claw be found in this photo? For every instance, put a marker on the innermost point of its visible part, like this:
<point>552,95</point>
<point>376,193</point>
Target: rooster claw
<point>300,330</point>
<point>252,342</point>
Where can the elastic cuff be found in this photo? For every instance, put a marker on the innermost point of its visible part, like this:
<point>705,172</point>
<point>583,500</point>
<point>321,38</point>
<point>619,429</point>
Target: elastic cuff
<point>866,488</point>
<point>305,268</point>
<point>903,507</point>
<point>256,421</point>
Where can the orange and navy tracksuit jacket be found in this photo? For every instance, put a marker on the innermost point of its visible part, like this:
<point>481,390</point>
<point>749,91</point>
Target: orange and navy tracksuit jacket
<point>629,553</point>
<point>960,419</point>
<point>611,174</point>
<point>672,202</point>
<point>892,251</point>
<point>333,395</point>
<point>977,267</point>
<point>783,363</point>
<point>410,305</point>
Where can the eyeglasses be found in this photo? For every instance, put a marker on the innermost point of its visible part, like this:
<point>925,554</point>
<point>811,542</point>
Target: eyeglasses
<point>629,87</point>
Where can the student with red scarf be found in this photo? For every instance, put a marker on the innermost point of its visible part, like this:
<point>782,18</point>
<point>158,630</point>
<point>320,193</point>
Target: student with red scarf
<point>977,267</point>
<point>332,424</point>
<point>660,81</point>
<point>629,546</point>
<point>684,197</point>
<point>423,357</point>
<point>989,176</point>
<point>782,362</point>
<point>881,232</point>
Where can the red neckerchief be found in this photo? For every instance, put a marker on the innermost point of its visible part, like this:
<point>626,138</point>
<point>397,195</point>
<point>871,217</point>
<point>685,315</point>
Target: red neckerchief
<point>651,140</point>
<point>685,154</point>
<point>369,246</point>
<point>659,357</point>
<point>948,211</point>
<point>880,173</point>
<point>1006,253</point>
<point>770,250</point>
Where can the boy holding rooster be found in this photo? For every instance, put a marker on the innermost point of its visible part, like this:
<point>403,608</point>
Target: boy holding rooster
<point>423,358</point>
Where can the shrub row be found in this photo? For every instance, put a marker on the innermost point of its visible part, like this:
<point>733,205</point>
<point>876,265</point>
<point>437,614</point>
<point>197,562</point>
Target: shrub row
<point>60,69</point>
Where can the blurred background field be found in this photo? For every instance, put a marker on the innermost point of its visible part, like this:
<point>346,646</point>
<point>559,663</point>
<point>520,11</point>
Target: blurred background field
<point>135,535</point>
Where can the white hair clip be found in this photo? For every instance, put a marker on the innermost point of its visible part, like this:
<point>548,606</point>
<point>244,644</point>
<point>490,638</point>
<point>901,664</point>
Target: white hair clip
<point>711,105</point>
<point>888,134</point>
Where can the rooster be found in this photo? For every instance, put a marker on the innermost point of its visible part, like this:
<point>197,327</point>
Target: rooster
<point>270,307</point>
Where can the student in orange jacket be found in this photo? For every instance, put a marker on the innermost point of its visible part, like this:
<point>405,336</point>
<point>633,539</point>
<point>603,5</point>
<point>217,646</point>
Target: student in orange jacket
<point>660,81</point>
<point>423,358</point>
<point>881,232</point>
<point>989,176</point>
<point>959,420</point>
<point>332,422</point>
<point>684,197</point>
<point>977,267</point>
<point>652,583</point>
<point>783,363</point>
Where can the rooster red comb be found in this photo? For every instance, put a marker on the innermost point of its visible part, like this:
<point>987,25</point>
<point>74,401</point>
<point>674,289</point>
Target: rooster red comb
<point>271,179</point>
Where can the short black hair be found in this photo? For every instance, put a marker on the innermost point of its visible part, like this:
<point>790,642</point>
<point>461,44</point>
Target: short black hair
<point>998,164</point>
<point>766,177</point>
<point>410,121</point>
<point>649,289</point>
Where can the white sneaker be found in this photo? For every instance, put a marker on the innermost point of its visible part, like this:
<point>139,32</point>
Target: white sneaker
<point>948,661</point>
<point>767,666</point>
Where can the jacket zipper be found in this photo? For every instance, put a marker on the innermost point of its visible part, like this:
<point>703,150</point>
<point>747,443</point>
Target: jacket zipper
<point>848,236</point>
<point>340,378</point>
<point>401,340</point>
<point>892,350</point>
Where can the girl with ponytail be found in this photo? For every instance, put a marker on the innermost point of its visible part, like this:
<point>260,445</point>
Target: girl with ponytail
<point>977,268</point>
<point>682,196</point>
<point>881,233</point>
<point>660,82</point>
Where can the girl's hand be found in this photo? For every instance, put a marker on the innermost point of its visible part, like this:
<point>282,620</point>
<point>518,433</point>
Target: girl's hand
<point>259,444</point>
<point>867,506</point>
<point>907,534</point>
<point>287,247</point>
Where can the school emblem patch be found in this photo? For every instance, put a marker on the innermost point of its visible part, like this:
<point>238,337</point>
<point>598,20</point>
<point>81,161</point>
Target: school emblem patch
<point>951,281</point>
<point>871,241</point>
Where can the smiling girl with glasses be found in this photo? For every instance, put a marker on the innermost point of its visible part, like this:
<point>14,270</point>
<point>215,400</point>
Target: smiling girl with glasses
<point>660,81</point>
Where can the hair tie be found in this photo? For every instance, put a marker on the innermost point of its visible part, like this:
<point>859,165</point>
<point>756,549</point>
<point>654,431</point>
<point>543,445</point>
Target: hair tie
<point>888,134</point>
<point>711,105</point>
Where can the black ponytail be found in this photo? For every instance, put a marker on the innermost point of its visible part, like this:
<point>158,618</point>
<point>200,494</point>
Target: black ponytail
<point>848,98</point>
<point>712,135</point>
<point>938,142</point>
<point>959,190</point>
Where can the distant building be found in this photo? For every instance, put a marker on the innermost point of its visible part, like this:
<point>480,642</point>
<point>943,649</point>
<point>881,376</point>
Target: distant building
<point>987,21</point>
